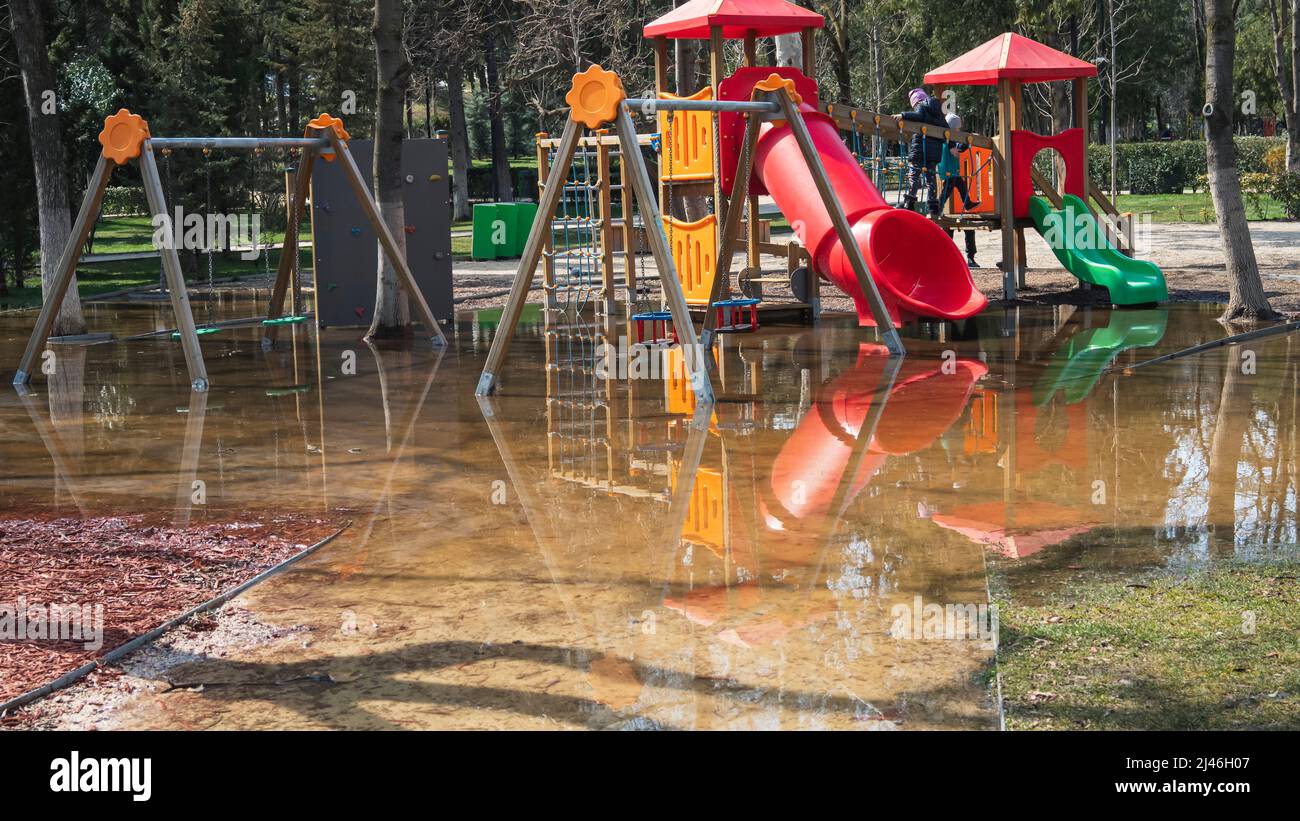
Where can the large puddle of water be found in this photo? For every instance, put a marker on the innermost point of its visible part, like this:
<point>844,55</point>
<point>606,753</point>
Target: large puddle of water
<point>592,552</point>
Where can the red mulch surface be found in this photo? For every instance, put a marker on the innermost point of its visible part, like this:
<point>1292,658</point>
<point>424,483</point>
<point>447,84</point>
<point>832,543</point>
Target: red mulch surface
<point>143,573</point>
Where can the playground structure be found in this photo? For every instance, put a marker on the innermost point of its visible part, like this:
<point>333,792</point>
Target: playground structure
<point>699,147</point>
<point>597,98</point>
<point>126,137</point>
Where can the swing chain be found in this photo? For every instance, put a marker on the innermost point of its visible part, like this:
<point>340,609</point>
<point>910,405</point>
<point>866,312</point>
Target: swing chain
<point>167,170</point>
<point>207,214</point>
<point>668,205</point>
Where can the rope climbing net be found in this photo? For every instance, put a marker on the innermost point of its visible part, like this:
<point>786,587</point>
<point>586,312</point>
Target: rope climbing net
<point>576,234</point>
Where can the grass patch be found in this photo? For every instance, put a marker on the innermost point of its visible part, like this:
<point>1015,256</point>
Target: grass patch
<point>1168,653</point>
<point>1197,208</point>
<point>134,234</point>
<point>138,273</point>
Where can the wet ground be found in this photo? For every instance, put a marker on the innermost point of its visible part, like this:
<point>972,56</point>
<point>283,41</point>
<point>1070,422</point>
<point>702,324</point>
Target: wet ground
<point>585,552</point>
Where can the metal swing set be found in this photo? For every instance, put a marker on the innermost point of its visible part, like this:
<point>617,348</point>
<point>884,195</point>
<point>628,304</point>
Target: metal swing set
<point>126,137</point>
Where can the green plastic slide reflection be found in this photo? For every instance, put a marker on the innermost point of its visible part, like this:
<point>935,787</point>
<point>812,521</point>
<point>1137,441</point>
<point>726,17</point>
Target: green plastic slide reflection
<point>1078,364</point>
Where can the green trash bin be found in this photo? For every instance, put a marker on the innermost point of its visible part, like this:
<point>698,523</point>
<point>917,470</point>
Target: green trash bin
<point>506,247</point>
<point>487,218</point>
<point>525,213</point>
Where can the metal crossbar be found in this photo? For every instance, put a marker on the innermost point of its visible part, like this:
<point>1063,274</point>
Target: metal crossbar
<point>237,143</point>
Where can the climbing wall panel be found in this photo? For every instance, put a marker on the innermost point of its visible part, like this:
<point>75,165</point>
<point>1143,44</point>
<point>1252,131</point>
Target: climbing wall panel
<point>346,250</point>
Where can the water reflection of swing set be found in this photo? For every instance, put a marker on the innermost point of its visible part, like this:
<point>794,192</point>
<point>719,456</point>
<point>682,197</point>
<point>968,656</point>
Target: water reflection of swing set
<point>751,532</point>
<point>125,137</point>
<point>599,434</point>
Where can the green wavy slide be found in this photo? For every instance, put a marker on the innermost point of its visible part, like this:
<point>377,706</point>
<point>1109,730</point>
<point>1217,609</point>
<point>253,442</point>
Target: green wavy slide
<point>1130,281</point>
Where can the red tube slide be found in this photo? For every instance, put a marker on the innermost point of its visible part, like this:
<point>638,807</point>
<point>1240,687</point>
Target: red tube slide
<point>918,270</point>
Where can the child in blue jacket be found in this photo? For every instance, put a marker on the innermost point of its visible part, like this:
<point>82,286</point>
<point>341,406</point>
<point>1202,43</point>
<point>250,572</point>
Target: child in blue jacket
<point>949,170</point>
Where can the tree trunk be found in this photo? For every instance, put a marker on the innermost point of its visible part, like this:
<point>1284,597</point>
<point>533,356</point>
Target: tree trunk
<point>878,66</point>
<point>295,100</point>
<point>500,159</point>
<point>410,116</point>
<point>459,142</point>
<point>843,78</point>
<point>789,50</point>
<point>392,309</point>
<point>47,157</point>
<point>1114,89</point>
<point>686,56</point>
<point>1293,117</point>
<point>283,128</point>
<point>430,108</point>
<point>1286,69</point>
<point>1246,300</point>
<point>1062,117</point>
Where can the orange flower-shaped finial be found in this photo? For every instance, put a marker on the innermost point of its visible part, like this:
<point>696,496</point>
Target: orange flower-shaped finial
<point>326,120</point>
<point>776,82</point>
<point>595,97</point>
<point>123,136</point>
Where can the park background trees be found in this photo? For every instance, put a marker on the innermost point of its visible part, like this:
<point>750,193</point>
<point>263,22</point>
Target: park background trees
<point>492,73</point>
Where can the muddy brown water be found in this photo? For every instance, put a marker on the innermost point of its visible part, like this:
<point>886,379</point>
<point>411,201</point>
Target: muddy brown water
<point>583,552</point>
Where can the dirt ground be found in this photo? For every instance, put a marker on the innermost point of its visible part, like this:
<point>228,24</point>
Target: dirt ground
<point>1190,255</point>
<point>93,702</point>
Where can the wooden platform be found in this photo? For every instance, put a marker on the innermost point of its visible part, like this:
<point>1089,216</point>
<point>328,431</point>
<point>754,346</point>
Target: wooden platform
<point>773,313</point>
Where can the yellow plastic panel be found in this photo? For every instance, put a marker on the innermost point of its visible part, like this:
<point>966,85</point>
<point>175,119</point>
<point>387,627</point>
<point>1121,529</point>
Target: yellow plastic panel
<point>695,253</point>
<point>692,140</point>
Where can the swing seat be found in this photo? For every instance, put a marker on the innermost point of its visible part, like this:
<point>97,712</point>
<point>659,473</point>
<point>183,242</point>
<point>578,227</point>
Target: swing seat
<point>289,391</point>
<point>198,331</point>
<point>731,313</point>
<point>654,318</point>
<point>285,320</point>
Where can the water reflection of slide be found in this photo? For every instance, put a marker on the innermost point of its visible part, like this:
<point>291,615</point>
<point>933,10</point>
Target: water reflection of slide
<point>816,462</point>
<point>1045,436</point>
<point>1078,364</point>
<point>877,409</point>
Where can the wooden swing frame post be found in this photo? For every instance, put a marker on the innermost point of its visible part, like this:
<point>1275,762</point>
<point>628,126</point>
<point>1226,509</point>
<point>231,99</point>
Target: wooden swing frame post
<point>538,236</point>
<point>791,114</point>
<point>67,267</point>
<point>171,263</point>
<point>289,251</point>
<point>692,352</point>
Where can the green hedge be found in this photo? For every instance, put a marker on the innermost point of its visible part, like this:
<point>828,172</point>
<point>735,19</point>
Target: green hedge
<point>125,200</point>
<point>1170,167</point>
<point>481,187</point>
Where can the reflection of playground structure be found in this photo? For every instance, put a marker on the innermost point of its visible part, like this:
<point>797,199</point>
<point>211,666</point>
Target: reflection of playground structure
<point>878,408</point>
<point>269,447</point>
<point>725,529</point>
<point>87,436</point>
<point>1039,439</point>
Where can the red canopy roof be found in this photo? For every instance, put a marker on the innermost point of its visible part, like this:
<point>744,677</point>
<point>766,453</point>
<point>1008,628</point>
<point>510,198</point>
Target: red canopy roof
<point>765,18</point>
<point>1010,57</point>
